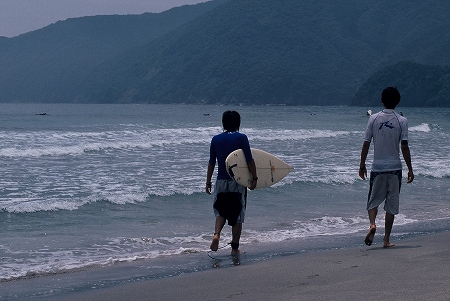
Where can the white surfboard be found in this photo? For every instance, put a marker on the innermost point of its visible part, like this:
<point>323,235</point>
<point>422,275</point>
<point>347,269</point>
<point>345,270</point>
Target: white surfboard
<point>269,168</point>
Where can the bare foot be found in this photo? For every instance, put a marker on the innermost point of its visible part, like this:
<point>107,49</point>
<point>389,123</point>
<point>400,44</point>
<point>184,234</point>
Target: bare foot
<point>388,245</point>
<point>215,242</point>
<point>369,237</point>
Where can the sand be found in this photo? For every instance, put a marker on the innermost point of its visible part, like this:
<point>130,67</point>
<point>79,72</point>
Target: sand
<point>415,269</point>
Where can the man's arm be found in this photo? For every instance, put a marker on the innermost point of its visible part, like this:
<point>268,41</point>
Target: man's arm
<point>252,168</point>
<point>407,157</point>
<point>209,174</point>
<point>362,163</point>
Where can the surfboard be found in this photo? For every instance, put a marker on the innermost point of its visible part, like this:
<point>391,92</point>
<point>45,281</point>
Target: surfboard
<point>269,168</point>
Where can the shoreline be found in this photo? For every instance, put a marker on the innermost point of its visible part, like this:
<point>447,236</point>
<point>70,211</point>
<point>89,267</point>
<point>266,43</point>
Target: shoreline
<point>415,269</point>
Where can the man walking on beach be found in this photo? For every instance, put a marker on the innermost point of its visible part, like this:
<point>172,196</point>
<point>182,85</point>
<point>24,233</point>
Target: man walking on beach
<point>389,130</point>
<point>229,197</point>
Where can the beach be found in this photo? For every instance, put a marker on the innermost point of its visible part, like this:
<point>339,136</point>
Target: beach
<point>415,269</point>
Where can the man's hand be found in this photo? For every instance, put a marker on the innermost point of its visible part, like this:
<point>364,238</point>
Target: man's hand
<point>410,176</point>
<point>208,188</point>
<point>363,173</point>
<point>253,185</point>
<point>362,162</point>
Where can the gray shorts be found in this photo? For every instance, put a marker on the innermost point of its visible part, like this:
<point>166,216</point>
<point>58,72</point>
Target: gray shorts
<point>385,187</point>
<point>231,186</point>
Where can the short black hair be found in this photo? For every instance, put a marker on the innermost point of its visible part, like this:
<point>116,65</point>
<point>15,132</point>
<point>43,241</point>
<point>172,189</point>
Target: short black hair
<point>231,121</point>
<point>390,97</point>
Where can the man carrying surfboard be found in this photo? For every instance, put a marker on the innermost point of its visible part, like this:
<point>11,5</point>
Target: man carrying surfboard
<point>389,130</point>
<point>229,197</point>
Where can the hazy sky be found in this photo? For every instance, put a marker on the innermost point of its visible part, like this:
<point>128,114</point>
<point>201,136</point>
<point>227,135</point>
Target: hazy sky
<point>20,16</point>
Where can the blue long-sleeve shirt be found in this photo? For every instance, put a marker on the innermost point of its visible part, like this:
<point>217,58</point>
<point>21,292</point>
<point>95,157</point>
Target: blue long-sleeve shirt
<point>222,145</point>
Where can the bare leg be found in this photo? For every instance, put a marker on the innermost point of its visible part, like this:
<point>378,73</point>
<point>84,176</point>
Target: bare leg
<point>373,228</point>
<point>372,216</point>
<point>220,222</point>
<point>389,222</point>
<point>236,231</point>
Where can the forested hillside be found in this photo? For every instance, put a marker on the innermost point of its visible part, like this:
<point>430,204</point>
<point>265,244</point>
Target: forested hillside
<point>419,85</point>
<point>296,52</point>
<point>45,65</point>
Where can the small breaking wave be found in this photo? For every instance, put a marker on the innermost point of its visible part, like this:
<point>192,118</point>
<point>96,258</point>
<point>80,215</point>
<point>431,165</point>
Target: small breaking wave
<point>424,127</point>
<point>46,262</point>
<point>33,204</point>
<point>299,134</point>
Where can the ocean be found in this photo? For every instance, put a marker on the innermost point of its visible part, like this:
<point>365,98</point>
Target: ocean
<point>120,188</point>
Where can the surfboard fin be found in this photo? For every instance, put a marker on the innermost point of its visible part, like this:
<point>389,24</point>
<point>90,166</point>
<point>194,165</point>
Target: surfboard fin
<point>230,170</point>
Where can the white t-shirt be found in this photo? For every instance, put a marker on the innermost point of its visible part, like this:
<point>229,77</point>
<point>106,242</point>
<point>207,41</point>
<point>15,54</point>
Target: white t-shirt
<point>387,129</point>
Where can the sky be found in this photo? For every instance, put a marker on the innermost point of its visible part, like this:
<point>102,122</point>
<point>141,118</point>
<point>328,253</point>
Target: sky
<point>21,16</point>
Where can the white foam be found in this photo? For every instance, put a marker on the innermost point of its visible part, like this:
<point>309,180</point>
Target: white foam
<point>424,127</point>
<point>298,134</point>
<point>49,262</point>
<point>432,167</point>
<point>315,227</point>
<point>45,261</point>
<point>324,226</point>
<point>46,143</point>
<point>49,143</point>
<point>21,205</point>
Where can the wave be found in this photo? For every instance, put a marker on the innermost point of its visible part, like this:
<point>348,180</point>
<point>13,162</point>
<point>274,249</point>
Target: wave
<point>73,198</point>
<point>44,262</point>
<point>34,205</point>
<point>436,171</point>
<point>41,144</point>
<point>22,205</point>
<point>32,144</point>
<point>298,134</point>
<point>56,263</point>
<point>424,127</point>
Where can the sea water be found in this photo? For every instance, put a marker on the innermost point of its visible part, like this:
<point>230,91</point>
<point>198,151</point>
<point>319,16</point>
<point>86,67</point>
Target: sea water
<point>88,186</point>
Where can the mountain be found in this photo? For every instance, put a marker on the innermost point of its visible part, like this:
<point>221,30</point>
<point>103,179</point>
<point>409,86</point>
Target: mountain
<point>43,65</point>
<point>296,52</point>
<point>419,85</point>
